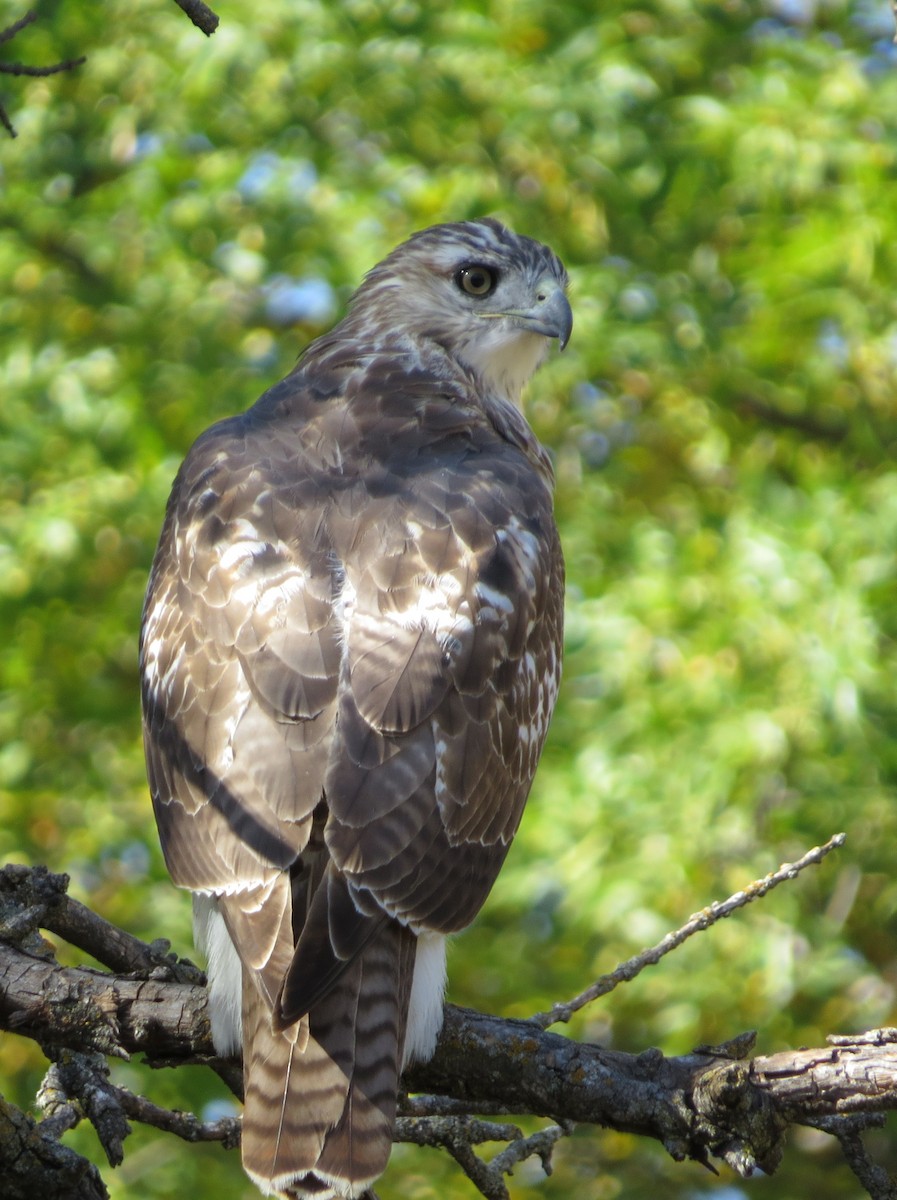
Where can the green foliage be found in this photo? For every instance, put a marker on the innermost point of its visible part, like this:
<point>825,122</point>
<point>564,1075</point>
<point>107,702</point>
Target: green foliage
<point>180,215</point>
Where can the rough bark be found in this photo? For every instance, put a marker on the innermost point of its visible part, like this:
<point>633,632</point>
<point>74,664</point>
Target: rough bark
<point>719,1102</point>
<point>700,1104</point>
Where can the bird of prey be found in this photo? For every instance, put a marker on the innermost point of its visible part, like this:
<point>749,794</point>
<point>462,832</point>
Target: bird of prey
<point>350,652</point>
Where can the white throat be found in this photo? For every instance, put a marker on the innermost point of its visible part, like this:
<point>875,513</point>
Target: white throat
<point>505,358</point>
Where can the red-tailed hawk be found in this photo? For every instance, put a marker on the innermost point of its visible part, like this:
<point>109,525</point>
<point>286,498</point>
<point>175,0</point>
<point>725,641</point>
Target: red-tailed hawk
<point>350,653</point>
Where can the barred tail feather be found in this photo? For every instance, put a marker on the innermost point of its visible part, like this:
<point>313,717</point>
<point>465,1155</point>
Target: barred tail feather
<point>319,1117</point>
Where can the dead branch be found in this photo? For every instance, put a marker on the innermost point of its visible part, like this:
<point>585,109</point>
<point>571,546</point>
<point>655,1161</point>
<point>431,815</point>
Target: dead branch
<point>848,1130</point>
<point>700,921</point>
<point>34,1162</point>
<point>77,1086</point>
<point>723,1102</point>
<point>458,1135</point>
<point>33,897</point>
<point>200,14</point>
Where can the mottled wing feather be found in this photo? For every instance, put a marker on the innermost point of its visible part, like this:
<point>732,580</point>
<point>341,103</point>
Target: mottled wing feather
<point>260,922</point>
<point>240,665</point>
<point>452,678</point>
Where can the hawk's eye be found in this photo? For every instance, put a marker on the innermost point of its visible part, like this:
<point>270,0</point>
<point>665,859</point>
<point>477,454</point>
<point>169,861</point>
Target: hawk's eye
<point>476,280</point>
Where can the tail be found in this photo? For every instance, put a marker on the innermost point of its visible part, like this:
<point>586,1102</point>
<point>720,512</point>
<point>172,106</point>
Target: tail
<point>321,1095</point>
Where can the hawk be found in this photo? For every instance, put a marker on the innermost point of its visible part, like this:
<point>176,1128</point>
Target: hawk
<point>350,652</point>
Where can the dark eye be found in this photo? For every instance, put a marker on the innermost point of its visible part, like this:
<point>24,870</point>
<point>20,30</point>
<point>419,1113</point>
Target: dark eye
<point>476,280</point>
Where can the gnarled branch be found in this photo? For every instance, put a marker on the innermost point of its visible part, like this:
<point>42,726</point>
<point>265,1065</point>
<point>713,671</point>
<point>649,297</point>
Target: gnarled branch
<point>722,1102</point>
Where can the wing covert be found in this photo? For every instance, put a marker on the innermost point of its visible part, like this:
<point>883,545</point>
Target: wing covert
<point>240,663</point>
<point>449,683</point>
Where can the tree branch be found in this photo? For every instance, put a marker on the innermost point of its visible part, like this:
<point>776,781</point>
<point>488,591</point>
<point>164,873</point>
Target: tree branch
<point>458,1135</point>
<point>848,1130</point>
<point>717,1102</point>
<point>482,1059</point>
<point>7,34</point>
<point>200,14</point>
<point>702,920</point>
<point>17,68</point>
<point>35,1163</point>
<point>32,897</point>
<point>802,422</point>
<point>90,1010</point>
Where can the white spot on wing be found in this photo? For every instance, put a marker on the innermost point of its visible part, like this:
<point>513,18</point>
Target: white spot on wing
<point>438,608</point>
<point>441,749</point>
<point>239,555</point>
<point>490,597</point>
<point>344,606</point>
<point>277,596</point>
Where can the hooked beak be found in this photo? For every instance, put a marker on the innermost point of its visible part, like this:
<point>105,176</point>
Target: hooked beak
<point>551,315</point>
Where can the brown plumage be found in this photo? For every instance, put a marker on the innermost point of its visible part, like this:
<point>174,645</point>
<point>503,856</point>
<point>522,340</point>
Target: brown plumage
<point>350,653</point>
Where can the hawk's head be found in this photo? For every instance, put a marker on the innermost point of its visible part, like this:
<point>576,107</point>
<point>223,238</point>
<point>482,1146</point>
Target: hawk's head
<point>490,297</point>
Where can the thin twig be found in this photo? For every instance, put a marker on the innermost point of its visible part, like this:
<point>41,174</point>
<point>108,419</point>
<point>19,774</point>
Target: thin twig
<point>183,1124</point>
<point>200,14</point>
<point>7,34</point>
<point>438,1131</point>
<point>849,1130</point>
<point>695,924</point>
<point>17,68</point>
<point>541,1143</point>
<point>486,1180</point>
<point>459,1134</point>
<point>874,1178</point>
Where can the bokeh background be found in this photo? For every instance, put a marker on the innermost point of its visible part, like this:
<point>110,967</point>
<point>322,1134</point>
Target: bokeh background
<point>180,216</point>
